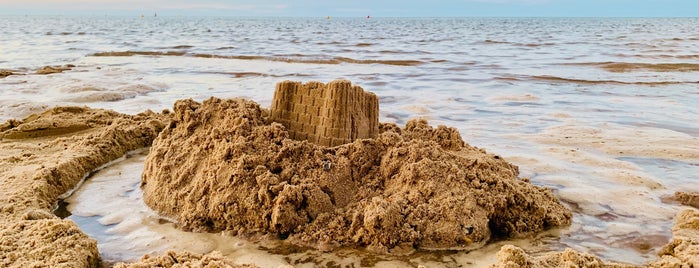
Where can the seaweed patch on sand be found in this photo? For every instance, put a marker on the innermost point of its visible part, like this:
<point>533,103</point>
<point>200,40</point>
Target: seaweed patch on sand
<point>223,165</point>
<point>44,156</point>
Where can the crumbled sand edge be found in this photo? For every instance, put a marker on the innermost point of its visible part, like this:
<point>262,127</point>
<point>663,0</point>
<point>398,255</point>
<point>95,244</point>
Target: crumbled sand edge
<point>183,259</point>
<point>688,199</point>
<point>681,251</point>
<point>44,156</point>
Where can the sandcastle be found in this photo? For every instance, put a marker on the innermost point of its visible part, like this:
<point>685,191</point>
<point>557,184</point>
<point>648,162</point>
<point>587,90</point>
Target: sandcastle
<point>229,165</point>
<point>328,115</point>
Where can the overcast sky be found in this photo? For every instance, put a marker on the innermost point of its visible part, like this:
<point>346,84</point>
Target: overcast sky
<point>354,8</point>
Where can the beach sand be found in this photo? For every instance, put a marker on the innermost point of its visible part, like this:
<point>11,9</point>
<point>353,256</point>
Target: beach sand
<point>45,156</point>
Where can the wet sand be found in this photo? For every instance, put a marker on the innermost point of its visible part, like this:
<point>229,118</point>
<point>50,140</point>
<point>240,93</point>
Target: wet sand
<point>47,155</point>
<point>43,157</point>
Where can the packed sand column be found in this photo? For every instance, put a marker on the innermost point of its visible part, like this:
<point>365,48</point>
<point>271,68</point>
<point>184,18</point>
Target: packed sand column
<point>326,114</point>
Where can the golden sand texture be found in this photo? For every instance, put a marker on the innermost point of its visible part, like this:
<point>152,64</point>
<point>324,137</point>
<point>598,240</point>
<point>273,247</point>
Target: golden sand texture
<point>222,165</point>
<point>329,115</point>
<point>5,73</point>
<point>172,259</point>
<point>688,199</point>
<point>44,156</point>
<point>682,251</point>
<point>53,69</point>
<point>511,256</point>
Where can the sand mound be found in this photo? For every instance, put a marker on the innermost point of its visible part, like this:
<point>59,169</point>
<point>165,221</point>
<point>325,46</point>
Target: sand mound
<point>183,259</point>
<point>682,251</point>
<point>44,156</point>
<point>220,165</point>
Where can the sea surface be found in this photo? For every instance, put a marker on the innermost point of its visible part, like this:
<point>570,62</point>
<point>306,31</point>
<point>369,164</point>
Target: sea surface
<point>603,110</point>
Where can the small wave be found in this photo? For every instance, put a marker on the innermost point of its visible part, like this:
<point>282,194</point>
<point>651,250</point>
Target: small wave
<point>256,74</point>
<point>336,60</point>
<point>329,43</point>
<point>657,56</point>
<point>225,48</point>
<point>557,79</point>
<point>488,41</point>
<point>134,53</point>
<point>363,44</point>
<point>296,58</point>
<point>182,47</point>
<point>392,52</point>
<point>623,67</point>
<point>247,74</point>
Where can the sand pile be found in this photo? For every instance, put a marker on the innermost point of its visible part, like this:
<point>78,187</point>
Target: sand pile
<point>222,165</point>
<point>44,156</point>
<point>183,259</point>
<point>682,251</point>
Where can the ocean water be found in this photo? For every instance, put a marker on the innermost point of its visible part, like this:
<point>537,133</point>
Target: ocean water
<point>602,110</point>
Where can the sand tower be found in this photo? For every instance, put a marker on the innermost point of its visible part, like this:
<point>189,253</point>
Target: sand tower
<point>326,114</point>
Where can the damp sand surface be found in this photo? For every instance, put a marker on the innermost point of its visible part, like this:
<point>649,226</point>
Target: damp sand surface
<point>45,156</point>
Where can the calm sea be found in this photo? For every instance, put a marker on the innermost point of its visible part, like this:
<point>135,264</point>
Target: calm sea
<point>603,110</point>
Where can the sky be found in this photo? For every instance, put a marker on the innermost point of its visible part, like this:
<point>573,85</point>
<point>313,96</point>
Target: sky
<point>358,8</point>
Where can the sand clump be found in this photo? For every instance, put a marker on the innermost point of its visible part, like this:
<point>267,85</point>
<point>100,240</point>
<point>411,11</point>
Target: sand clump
<point>511,256</point>
<point>681,251</point>
<point>5,73</point>
<point>183,259</point>
<point>54,69</point>
<point>688,199</point>
<point>223,165</point>
<point>44,156</point>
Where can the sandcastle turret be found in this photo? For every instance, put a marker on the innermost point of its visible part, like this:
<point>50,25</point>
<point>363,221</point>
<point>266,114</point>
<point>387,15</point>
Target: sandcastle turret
<point>326,114</point>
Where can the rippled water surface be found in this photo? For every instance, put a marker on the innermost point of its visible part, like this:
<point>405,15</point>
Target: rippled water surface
<point>604,111</point>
